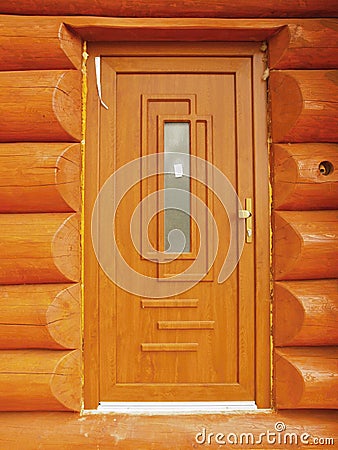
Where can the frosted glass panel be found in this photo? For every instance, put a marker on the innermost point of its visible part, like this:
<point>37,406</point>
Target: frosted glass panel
<point>177,203</point>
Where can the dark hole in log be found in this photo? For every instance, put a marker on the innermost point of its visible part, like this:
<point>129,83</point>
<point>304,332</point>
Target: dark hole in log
<point>326,168</point>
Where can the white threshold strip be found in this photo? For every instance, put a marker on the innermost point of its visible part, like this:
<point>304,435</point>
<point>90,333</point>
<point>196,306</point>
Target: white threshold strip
<point>175,407</point>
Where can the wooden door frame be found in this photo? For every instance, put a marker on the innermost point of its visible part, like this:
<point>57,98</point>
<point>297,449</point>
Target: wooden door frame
<point>262,214</point>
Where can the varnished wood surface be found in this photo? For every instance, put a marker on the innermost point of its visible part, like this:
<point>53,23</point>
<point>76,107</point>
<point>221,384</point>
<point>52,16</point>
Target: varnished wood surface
<point>182,362</point>
<point>39,177</point>
<point>262,237</point>
<point>115,29</point>
<point>311,44</point>
<point>299,177</point>
<point>43,380</point>
<point>90,269</point>
<point>39,248</point>
<point>181,29</point>
<point>158,8</point>
<point>304,105</point>
<point>65,431</point>
<point>40,316</point>
<point>27,43</point>
<point>306,377</point>
<point>306,313</point>
<point>305,245</point>
<point>161,29</point>
<point>309,59</point>
<point>40,106</point>
<point>127,65</point>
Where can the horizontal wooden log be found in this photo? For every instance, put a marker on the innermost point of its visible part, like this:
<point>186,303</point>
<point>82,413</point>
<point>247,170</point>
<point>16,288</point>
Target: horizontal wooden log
<point>118,29</point>
<point>305,245</point>
<point>40,316</point>
<point>39,248</point>
<point>34,44</point>
<point>65,431</point>
<point>39,177</point>
<point>42,380</point>
<point>186,30</point>
<point>158,8</point>
<point>304,105</point>
<point>305,176</point>
<point>306,378</point>
<point>310,44</point>
<point>40,106</point>
<point>306,313</point>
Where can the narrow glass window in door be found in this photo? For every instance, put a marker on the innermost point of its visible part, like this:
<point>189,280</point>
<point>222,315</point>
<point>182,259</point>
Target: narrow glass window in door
<point>177,234</point>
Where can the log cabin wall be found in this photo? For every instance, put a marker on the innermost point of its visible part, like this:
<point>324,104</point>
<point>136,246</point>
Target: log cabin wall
<point>40,155</point>
<point>40,165</point>
<point>304,159</point>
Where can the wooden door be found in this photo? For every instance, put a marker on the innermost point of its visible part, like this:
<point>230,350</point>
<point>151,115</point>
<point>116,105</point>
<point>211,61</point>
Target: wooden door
<point>176,344</point>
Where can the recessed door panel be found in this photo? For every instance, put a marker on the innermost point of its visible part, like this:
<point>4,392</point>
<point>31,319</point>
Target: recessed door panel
<point>197,344</point>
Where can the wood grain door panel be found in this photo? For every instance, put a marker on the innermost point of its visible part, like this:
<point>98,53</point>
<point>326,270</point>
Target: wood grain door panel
<point>199,345</point>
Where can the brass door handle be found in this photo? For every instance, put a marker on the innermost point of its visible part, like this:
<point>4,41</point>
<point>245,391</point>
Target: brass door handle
<point>247,215</point>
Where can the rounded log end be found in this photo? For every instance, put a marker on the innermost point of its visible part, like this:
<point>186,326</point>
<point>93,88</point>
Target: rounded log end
<point>306,378</point>
<point>287,104</point>
<point>71,45</point>
<point>287,246</point>
<point>66,384</point>
<point>305,45</point>
<point>40,380</point>
<point>68,176</point>
<point>67,103</point>
<point>305,176</point>
<point>66,248</point>
<point>289,382</point>
<point>37,316</point>
<point>63,318</point>
<point>285,175</point>
<point>289,315</point>
<point>278,46</point>
<point>306,245</point>
<point>306,313</point>
<point>40,177</point>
